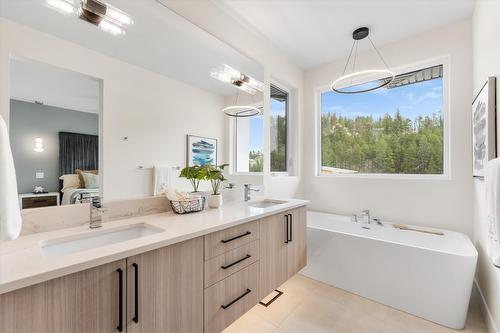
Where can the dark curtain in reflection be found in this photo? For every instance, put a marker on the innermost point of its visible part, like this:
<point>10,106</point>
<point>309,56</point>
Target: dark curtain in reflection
<point>77,151</point>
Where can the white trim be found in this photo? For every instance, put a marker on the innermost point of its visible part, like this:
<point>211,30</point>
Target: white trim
<point>483,306</point>
<point>442,60</point>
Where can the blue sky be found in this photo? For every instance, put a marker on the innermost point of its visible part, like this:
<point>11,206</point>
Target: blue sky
<point>412,100</point>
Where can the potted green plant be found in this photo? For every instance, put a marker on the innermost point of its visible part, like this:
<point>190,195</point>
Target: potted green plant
<point>214,173</point>
<point>195,174</point>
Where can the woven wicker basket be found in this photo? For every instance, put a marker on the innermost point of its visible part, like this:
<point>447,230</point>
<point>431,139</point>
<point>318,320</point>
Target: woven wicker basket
<point>188,206</point>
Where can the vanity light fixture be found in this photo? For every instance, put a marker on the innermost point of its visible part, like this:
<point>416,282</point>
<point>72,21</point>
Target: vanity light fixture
<point>38,145</point>
<point>228,74</point>
<point>62,6</point>
<point>362,81</point>
<point>105,16</point>
<point>243,82</point>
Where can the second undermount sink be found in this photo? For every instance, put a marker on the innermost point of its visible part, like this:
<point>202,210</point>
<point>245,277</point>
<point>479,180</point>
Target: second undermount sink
<point>96,238</point>
<point>266,203</point>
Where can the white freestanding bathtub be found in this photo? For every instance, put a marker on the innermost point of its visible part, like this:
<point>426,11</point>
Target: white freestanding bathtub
<point>427,275</point>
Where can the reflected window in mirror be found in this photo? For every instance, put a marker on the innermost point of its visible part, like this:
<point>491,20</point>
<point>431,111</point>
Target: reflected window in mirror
<point>249,145</point>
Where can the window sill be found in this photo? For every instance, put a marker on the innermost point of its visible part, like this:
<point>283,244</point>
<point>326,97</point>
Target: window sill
<point>246,174</point>
<point>387,176</point>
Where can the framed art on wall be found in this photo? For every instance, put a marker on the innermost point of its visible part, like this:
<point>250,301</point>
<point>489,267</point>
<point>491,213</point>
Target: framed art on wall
<point>484,127</point>
<point>201,150</point>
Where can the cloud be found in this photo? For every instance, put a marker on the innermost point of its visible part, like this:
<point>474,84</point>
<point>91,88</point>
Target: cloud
<point>428,95</point>
<point>334,109</point>
<point>410,96</point>
<point>438,88</point>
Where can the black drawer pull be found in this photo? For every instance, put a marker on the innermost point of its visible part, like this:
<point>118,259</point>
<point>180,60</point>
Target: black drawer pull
<point>136,293</point>
<point>120,300</point>
<point>236,299</point>
<point>234,238</point>
<point>291,227</point>
<point>287,222</point>
<point>236,262</point>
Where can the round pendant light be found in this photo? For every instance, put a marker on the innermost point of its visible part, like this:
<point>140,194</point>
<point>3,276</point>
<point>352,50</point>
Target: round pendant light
<point>242,111</point>
<point>363,81</point>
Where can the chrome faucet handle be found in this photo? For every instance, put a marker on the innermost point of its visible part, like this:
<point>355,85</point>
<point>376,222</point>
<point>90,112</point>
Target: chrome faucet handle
<point>365,213</point>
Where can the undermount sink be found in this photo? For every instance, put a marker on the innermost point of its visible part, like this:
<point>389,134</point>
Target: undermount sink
<point>266,203</point>
<point>96,238</point>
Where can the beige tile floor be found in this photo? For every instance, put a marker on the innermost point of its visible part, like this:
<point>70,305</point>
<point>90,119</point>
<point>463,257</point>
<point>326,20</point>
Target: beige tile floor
<point>309,306</point>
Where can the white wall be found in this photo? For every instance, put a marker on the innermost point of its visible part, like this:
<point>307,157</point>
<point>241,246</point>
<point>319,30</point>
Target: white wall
<point>437,203</point>
<point>222,25</point>
<point>153,111</point>
<point>486,62</point>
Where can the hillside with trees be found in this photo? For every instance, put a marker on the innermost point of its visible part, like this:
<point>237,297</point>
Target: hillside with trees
<point>389,144</point>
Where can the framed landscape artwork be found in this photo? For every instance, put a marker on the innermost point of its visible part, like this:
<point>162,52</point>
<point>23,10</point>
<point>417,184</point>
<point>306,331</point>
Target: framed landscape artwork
<point>484,127</point>
<point>201,151</point>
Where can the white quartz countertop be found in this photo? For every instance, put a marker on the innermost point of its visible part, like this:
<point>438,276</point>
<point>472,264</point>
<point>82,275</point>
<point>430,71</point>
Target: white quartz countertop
<point>22,262</point>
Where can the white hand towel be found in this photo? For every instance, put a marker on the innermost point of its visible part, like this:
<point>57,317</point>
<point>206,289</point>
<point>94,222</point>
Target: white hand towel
<point>162,179</point>
<point>492,180</point>
<point>10,214</point>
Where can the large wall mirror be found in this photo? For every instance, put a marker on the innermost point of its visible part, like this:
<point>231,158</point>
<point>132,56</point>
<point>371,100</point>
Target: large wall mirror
<point>54,134</point>
<point>107,101</point>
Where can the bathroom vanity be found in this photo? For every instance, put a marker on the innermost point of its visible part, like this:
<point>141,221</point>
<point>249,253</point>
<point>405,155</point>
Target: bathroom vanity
<point>198,274</point>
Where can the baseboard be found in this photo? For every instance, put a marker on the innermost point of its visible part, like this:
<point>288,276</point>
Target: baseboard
<point>485,311</point>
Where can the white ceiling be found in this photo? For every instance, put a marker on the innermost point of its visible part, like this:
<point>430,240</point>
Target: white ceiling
<point>31,81</point>
<point>160,40</point>
<point>315,32</point>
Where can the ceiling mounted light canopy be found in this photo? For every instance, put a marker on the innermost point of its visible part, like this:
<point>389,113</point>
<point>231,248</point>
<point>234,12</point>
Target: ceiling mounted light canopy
<point>362,81</point>
<point>242,82</point>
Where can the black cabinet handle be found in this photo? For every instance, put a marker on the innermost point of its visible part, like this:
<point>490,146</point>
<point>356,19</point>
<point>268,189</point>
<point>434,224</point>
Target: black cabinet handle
<point>234,238</point>
<point>291,227</point>
<point>136,293</point>
<point>236,299</point>
<point>286,228</point>
<point>236,262</point>
<point>120,300</point>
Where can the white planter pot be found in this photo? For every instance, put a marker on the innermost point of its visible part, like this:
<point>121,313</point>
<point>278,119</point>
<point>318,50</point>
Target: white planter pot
<point>215,200</point>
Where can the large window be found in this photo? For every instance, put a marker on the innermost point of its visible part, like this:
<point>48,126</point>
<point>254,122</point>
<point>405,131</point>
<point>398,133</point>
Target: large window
<point>279,129</point>
<point>249,144</point>
<point>393,130</point>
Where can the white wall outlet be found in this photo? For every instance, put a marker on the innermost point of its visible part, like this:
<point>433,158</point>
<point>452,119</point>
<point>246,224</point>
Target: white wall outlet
<point>39,175</point>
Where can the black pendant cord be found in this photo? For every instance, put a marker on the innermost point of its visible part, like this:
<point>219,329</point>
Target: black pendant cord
<point>354,62</point>
<point>379,54</point>
<point>348,58</point>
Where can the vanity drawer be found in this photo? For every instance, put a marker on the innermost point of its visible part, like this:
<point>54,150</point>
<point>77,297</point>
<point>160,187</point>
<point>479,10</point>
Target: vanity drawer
<point>230,298</point>
<point>225,240</point>
<point>222,266</point>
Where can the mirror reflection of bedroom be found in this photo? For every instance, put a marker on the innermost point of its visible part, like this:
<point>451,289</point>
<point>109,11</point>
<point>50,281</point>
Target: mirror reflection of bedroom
<point>54,133</point>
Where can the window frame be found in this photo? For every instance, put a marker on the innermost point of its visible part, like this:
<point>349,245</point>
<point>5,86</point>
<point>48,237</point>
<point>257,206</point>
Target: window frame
<point>446,175</point>
<point>282,87</point>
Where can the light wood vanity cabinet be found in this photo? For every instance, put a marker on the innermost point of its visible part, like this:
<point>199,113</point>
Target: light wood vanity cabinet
<point>166,297</point>
<point>86,301</point>
<point>283,248</point>
<point>199,285</point>
<point>165,289</point>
